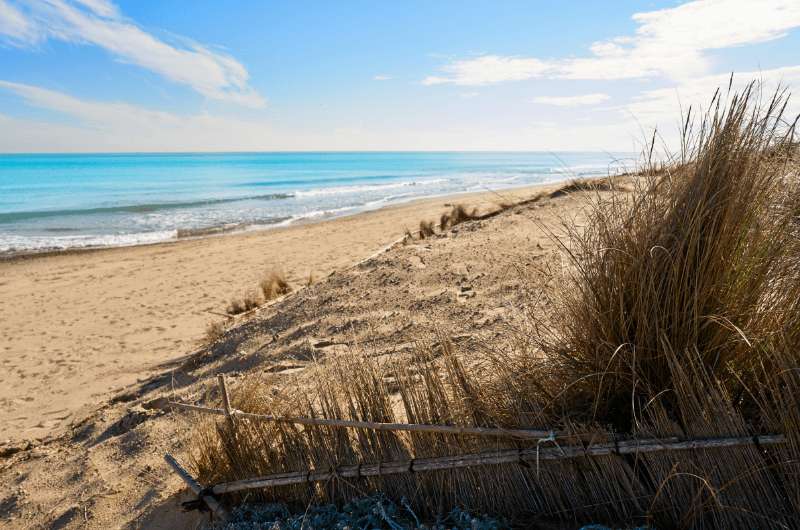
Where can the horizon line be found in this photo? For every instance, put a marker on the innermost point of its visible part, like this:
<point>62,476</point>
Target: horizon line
<point>315,151</point>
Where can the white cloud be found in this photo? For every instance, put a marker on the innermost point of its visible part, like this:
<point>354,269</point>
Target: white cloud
<point>487,70</point>
<point>572,101</point>
<point>16,28</point>
<point>116,127</point>
<point>213,74</point>
<point>104,8</point>
<point>113,126</point>
<point>663,106</point>
<point>669,42</point>
<point>382,77</point>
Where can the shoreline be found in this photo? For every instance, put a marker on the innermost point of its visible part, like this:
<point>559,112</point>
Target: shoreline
<point>11,256</point>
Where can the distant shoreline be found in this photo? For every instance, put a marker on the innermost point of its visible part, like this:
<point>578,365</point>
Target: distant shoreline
<point>55,203</point>
<point>244,229</point>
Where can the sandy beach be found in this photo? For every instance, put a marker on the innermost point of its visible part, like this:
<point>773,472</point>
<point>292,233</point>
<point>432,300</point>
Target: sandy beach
<point>77,326</point>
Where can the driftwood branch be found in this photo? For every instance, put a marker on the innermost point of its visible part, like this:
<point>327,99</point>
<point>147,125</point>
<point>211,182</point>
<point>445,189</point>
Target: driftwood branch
<point>211,501</point>
<point>496,458</point>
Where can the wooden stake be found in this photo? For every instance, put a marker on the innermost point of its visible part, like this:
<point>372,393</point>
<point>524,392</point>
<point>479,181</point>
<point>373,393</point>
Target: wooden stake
<point>496,458</point>
<point>195,486</point>
<point>226,399</point>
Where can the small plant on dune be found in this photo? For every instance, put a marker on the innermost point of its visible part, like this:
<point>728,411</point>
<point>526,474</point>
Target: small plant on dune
<point>214,331</point>
<point>444,222</point>
<point>274,285</point>
<point>250,300</point>
<point>598,184</point>
<point>310,279</point>
<point>457,215</point>
<point>235,307</point>
<point>426,229</point>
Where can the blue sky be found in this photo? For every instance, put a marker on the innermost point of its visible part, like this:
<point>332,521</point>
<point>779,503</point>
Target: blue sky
<point>171,75</point>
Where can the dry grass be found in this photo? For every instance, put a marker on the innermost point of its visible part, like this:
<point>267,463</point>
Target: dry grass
<point>272,286</point>
<point>699,267</point>
<point>250,300</point>
<point>235,307</point>
<point>578,185</point>
<point>679,317</point>
<point>214,331</point>
<point>458,214</point>
<point>275,284</point>
<point>426,229</point>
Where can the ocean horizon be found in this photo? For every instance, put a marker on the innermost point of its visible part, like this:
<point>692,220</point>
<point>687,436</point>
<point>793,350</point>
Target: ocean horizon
<point>62,201</point>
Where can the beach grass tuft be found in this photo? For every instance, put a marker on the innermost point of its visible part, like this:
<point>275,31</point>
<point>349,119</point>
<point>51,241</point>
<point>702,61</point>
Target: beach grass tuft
<point>426,229</point>
<point>458,214</point>
<point>275,284</point>
<point>214,331</point>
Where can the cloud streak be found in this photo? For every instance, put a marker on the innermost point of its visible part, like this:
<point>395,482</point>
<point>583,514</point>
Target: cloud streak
<point>670,43</point>
<point>15,27</point>
<point>116,126</point>
<point>213,74</point>
<point>488,70</point>
<point>572,101</point>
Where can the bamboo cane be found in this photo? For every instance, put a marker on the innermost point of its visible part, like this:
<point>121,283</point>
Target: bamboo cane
<point>496,458</point>
<point>377,426</point>
<point>195,486</point>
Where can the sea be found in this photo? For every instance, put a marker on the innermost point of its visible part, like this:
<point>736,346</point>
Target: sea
<point>63,201</point>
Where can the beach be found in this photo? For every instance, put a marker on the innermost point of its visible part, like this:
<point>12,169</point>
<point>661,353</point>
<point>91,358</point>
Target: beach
<point>78,326</point>
<point>97,338</point>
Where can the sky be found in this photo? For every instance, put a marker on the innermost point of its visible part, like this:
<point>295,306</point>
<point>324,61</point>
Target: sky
<point>252,75</point>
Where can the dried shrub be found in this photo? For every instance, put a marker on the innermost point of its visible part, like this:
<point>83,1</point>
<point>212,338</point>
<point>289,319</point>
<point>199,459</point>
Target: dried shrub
<point>274,285</point>
<point>214,331</point>
<point>457,215</point>
<point>250,300</point>
<point>426,229</point>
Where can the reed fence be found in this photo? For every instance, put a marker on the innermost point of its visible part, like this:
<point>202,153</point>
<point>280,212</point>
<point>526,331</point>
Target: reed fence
<point>208,494</point>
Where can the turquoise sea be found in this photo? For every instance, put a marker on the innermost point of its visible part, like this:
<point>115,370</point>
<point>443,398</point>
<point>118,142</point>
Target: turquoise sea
<point>59,201</point>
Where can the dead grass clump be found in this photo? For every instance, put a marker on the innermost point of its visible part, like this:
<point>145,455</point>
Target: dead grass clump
<point>250,300</point>
<point>214,331</point>
<point>577,185</point>
<point>426,229</point>
<point>444,221</point>
<point>274,285</point>
<point>235,307</point>
<point>457,215</point>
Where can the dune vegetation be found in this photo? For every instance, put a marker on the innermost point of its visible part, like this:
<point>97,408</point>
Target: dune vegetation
<point>676,317</point>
